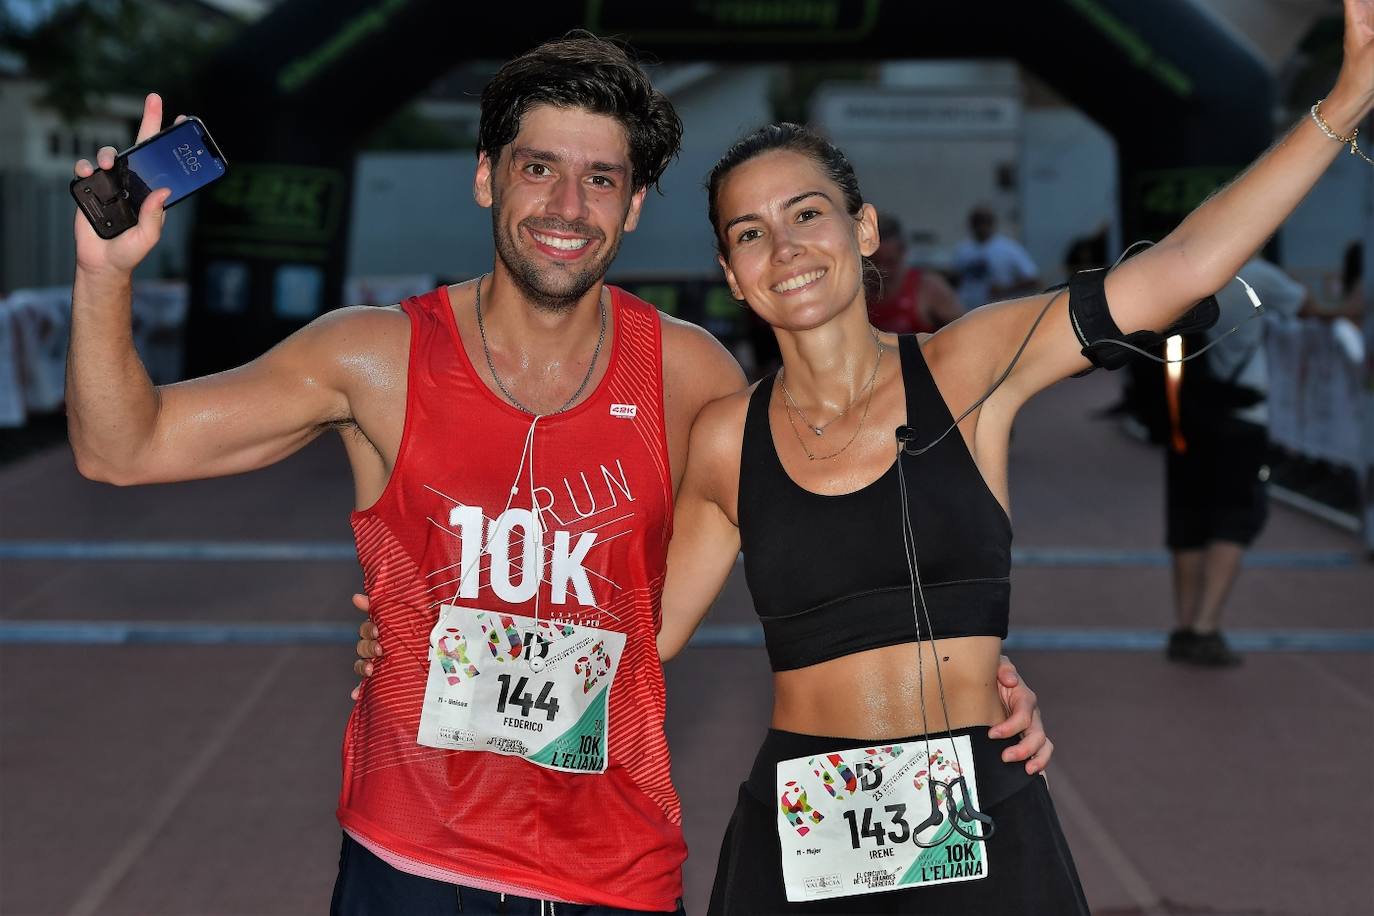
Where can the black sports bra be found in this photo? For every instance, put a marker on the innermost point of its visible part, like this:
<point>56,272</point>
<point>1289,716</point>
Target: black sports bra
<point>828,574</point>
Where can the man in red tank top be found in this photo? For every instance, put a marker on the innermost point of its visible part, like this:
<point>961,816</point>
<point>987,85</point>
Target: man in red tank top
<point>912,300</point>
<point>516,442</point>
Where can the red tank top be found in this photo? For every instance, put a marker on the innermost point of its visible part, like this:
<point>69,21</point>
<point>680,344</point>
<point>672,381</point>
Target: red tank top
<point>483,819</point>
<point>900,311</point>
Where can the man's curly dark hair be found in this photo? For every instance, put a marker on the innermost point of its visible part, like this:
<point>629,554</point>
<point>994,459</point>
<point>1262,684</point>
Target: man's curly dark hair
<point>595,74</point>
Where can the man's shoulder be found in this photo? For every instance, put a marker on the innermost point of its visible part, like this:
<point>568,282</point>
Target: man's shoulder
<point>688,344</point>
<point>685,332</point>
<point>695,363</point>
<point>360,320</point>
<point>359,332</point>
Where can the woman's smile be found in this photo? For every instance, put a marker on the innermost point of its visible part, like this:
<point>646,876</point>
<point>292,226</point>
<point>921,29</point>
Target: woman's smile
<point>798,282</point>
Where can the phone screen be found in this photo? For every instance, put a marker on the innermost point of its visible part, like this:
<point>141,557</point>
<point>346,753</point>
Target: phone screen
<point>182,159</point>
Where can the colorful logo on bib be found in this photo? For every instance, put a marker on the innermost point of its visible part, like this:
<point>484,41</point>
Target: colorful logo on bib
<point>451,652</point>
<point>593,666</point>
<point>503,638</point>
<point>837,777</point>
<point>842,778</point>
<point>941,769</point>
<point>797,809</point>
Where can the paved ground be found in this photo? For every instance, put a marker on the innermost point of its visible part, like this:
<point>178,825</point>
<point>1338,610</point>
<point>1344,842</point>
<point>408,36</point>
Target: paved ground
<point>157,779</point>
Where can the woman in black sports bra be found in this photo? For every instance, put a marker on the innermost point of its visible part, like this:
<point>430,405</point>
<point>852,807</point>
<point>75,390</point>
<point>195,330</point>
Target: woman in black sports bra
<point>876,540</point>
<point>840,811</point>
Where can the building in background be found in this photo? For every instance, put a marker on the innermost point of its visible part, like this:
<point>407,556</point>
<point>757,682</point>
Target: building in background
<point>74,87</point>
<point>932,139</point>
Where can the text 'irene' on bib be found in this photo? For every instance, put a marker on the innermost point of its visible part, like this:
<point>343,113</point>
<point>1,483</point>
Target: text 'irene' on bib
<point>510,685</point>
<point>882,818</point>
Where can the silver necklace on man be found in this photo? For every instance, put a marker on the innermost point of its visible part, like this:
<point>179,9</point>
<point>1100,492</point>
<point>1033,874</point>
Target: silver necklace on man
<point>486,351</point>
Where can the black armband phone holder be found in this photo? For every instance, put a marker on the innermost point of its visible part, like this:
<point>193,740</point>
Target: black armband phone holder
<point>1099,335</point>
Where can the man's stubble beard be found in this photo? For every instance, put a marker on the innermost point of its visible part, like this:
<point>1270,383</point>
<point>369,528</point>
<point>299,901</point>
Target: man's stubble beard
<point>534,285</point>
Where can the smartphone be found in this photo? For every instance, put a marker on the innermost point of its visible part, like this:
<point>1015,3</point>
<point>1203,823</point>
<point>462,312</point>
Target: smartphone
<point>183,157</point>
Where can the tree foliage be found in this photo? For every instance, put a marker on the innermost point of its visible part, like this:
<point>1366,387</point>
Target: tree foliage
<point>81,50</point>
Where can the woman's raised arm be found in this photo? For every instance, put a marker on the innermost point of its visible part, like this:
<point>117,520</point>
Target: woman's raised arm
<point>1154,288</point>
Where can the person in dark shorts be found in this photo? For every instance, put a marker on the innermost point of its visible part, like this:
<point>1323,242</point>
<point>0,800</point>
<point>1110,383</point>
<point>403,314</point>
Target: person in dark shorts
<point>1216,502</point>
<point>1216,489</point>
<point>369,884</point>
<point>865,796</point>
<point>1216,505</point>
<point>865,484</point>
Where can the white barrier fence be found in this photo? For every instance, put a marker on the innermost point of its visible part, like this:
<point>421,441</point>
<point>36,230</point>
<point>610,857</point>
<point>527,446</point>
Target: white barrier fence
<point>1317,389</point>
<point>35,325</point>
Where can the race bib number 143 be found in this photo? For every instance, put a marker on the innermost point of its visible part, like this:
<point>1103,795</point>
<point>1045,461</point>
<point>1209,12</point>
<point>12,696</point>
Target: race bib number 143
<point>504,684</point>
<point>874,819</point>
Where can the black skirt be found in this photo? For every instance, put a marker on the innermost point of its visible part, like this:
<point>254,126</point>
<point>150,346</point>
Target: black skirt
<point>1032,874</point>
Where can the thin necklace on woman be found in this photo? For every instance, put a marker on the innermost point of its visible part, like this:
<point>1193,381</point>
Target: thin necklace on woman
<point>820,430</point>
<point>866,393</point>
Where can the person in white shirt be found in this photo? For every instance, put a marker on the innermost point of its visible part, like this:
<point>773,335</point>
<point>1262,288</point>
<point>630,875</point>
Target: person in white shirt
<point>1216,504</point>
<point>992,266</point>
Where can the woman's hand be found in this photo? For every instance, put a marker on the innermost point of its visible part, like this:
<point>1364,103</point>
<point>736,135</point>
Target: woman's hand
<point>369,644</point>
<point>1357,66</point>
<point>1203,254</point>
<point>1023,718</point>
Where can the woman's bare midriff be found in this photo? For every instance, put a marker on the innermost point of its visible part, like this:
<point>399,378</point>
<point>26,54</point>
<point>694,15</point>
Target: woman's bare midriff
<point>877,694</point>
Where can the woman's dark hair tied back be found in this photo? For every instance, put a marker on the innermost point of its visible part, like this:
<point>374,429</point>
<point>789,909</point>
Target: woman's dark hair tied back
<point>795,138</point>
<point>583,71</point>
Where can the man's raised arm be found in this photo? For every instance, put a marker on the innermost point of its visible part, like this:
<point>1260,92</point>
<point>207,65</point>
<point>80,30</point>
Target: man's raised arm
<point>125,430</point>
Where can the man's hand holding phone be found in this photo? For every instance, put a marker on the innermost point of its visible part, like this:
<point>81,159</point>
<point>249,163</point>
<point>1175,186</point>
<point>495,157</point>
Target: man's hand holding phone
<point>125,251</point>
<point>121,198</point>
<point>120,424</point>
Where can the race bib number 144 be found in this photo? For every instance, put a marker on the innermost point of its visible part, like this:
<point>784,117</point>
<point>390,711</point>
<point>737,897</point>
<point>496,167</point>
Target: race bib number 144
<point>504,684</point>
<point>874,819</point>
